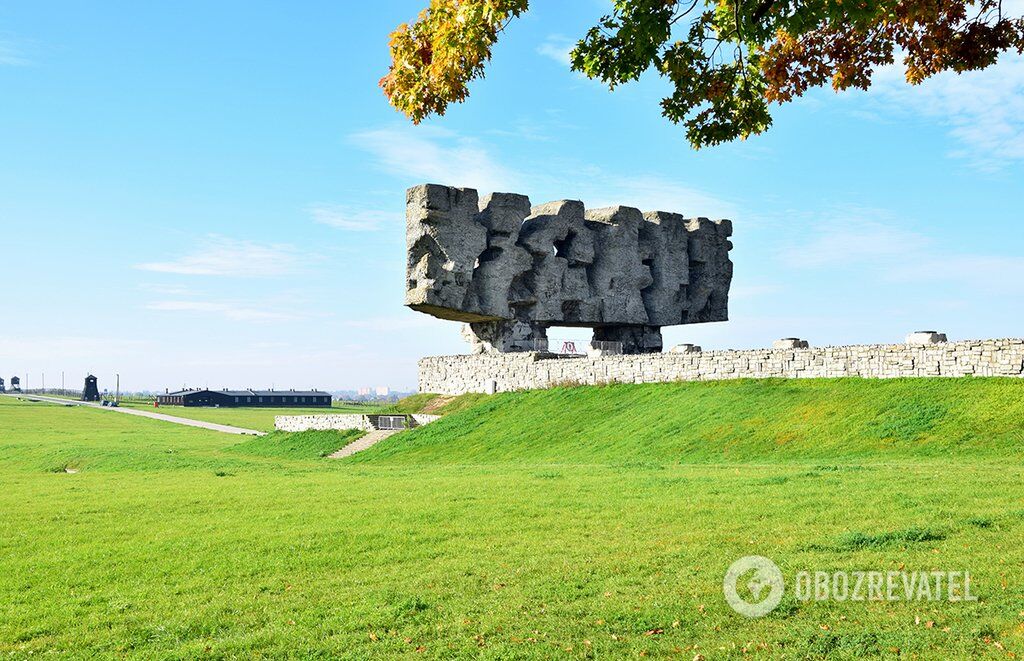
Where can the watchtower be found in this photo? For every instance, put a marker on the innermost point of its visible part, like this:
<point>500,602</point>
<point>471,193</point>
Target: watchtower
<point>15,384</point>
<point>2,389</point>
<point>91,391</point>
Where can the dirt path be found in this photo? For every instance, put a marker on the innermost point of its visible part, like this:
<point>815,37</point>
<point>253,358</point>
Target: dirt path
<point>433,405</point>
<point>227,429</point>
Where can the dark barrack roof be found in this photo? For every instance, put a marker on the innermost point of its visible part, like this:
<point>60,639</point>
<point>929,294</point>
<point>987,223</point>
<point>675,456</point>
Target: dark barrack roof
<point>250,393</point>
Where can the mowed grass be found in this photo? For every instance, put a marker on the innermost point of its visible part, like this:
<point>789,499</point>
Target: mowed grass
<point>258,418</point>
<point>744,420</point>
<point>491,534</point>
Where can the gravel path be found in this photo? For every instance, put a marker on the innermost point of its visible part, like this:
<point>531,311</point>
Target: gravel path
<point>227,429</point>
<point>363,442</point>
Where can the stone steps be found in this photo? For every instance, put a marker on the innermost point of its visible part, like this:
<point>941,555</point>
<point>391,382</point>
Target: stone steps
<point>370,439</point>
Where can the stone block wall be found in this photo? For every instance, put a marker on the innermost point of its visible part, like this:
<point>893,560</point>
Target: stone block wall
<point>341,421</point>
<point>324,421</point>
<point>489,373</point>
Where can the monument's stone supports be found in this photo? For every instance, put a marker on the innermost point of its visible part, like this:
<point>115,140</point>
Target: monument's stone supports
<point>510,270</point>
<point>634,339</point>
<point>503,336</point>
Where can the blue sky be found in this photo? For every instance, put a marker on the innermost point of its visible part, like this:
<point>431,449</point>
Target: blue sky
<point>212,193</point>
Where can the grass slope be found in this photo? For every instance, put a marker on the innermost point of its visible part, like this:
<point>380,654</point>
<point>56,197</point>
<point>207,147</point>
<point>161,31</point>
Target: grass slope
<point>770,420</point>
<point>174,542</point>
<point>428,402</point>
<point>303,445</point>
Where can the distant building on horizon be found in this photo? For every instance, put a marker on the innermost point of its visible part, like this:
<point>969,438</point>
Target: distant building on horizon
<point>15,384</point>
<point>376,392</point>
<point>230,398</point>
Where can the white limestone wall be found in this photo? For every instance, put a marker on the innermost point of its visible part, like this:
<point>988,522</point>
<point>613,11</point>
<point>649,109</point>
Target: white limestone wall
<point>322,421</point>
<point>339,421</point>
<point>487,373</point>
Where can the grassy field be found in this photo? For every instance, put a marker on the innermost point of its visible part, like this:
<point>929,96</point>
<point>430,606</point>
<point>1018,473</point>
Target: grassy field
<point>578,523</point>
<point>259,418</point>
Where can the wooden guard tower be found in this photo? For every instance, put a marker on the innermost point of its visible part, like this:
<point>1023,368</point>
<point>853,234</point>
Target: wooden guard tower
<point>91,392</point>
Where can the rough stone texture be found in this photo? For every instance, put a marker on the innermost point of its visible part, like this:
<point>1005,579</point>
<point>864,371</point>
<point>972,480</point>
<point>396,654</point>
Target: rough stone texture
<point>685,348</point>
<point>790,343</point>
<point>504,335</point>
<point>643,339</point>
<point>325,421</point>
<point>454,375</point>
<point>511,270</point>
<point>341,421</point>
<point>926,337</point>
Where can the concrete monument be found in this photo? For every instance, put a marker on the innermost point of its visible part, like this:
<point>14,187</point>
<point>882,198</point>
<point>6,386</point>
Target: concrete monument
<point>510,270</point>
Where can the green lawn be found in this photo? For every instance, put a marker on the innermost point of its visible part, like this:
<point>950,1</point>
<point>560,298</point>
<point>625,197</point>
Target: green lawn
<point>747,420</point>
<point>589,522</point>
<point>259,418</point>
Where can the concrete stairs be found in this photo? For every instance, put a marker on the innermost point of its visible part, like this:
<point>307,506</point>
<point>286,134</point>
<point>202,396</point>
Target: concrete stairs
<point>370,439</point>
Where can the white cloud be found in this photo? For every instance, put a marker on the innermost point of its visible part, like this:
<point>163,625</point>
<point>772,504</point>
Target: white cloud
<point>351,219</point>
<point>872,242</point>
<point>430,155</point>
<point>533,131</point>
<point>166,290</point>
<point>983,110</point>
<point>34,351</point>
<point>221,256</point>
<point>264,345</point>
<point>11,56</point>
<point>408,321</point>
<point>853,235</point>
<point>557,47</point>
<point>651,193</point>
<point>983,273</point>
<point>227,310</point>
<point>425,154</point>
